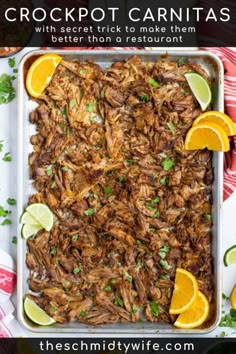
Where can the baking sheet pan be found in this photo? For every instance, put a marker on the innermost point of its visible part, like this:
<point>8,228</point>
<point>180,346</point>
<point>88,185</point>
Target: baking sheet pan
<point>25,189</point>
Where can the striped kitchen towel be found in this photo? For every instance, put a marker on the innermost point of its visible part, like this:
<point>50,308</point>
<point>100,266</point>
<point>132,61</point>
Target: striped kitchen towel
<point>228,58</point>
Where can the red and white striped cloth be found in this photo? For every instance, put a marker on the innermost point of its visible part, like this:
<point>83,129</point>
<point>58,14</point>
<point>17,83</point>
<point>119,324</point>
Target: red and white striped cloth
<point>228,58</point>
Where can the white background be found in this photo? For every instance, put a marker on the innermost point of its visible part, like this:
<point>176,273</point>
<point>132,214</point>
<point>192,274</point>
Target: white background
<point>8,180</point>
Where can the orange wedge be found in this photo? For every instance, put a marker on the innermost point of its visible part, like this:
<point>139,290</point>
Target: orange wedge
<point>196,314</point>
<point>218,118</point>
<point>207,135</point>
<point>40,73</point>
<point>185,291</point>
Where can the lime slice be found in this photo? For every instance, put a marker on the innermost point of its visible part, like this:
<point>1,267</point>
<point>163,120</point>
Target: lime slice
<point>30,230</point>
<point>36,314</point>
<point>200,88</point>
<point>28,219</point>
<point>42,214</point>
<point>230,256</point>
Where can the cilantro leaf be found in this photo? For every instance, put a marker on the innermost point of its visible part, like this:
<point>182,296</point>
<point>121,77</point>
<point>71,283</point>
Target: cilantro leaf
<point>14,240</point>
<point>164,181</point>
<point>153,83</point>
<point>90,107</point>
<point>11,201</point>
<point>7,91</point>
<point>171,127</point>
<point>89,212</point>
<point>7,157</point>
<point>167,164</point>
<point>11,62</point>
<point>1,145</point>
<point>154,308</point>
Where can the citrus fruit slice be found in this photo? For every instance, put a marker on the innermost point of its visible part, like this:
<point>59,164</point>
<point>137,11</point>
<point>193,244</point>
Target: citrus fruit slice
<point>200,88</point>
<point>42,214</point>
<point>219,118</point>
<point>28,219</point>
<point>30,230</point>
<point>230,256</point>
<point>233,298</point>
<point>36,314</point>
<point>196,314</point>
<point>40,73</point>
<point>185,291</point>
<point>207,135</point>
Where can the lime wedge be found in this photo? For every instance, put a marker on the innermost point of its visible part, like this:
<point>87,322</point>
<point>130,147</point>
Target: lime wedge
<point>230,256</point>
<point>42,214</point>
<point>36,314</point>
<point>200,88</point>
<point>30,230</point>
<point>28,219</point>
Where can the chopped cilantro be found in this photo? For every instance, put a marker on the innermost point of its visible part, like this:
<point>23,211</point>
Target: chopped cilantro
<point>163,250</point>
<point>83,313</point>
<point>11,201</point>
<point>63,112</point>
<point>138,242</point>
<point>130,161</point>
<point>6,222</point>
<point>113,281</point>
<point>102,93</point>
<point>208,217</point>
<point>225,297</point>
<point>154,308</point>
<point>107,190</point>
<point>53,185</point>
<point>229,320</point>
<point>90,107</point>
<point>76,270</point>
<point>164,181</point>
<point>154,176</point>
<point>134,309</point>
<point>118,301</point>
<point>1,145</point>
<point>95,195</point>
<point>65,168</point>
<point>72,103</point>
<point>167,164</point>
<point>181,61</point>
<point>11,62</point>
<point>150,207</point>
<point>93,118</point>
<point>75,237</point>
<point>152,229</point>
<point>107,288</point>
<point>53,309</point>
<point>14,240</point>
<point>7,157</point>
<point>15,71</point>
<point>128,277</point>
<point>157,214</point>
<point>56,261</point>
<point>49,171</point>
<point>89,212</point>
<point>3,212</point>
<point>82,71</point>
<point>153,83</point>
<point>156,200</point>
<point>164,264</point>
<point>223,334</point>
<point>144,98</point>
<point>121,178</point>
<point>171,127</point>
<point>164,276</point>
<point>53,252</point>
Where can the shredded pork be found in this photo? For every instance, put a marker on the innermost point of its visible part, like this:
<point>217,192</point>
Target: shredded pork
<point>131,204</point>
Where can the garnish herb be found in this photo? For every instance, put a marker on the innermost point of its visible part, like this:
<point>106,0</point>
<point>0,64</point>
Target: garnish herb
<point>144,98</point>
<point>164,181</point>
<point>154,308</point>
<point>152,229</point>
<point>229,320</point>
<point>11,201</point>
<point>113,281</point>
<point>75,237</point>
<point>102,93</point>
<point>93,118</point>
<point>1,145</point>
<point>164,264</point>
<point>3,212</point>
<point>90,107</point>
<point>107,190</point>
<point>119,302</point>
<point>138,242</point>
<point>56,261</point>
<point>150,254</point>
<point>150,207</point>
<point>153,83</point>
<point>163,250</point>
<point>135,309</point>
<point>128,277</point>
<point>6,222</point>
<point>11,62</point>
<point>49,171</point>
<point>167,164</point>
<point>181,61</point>
<point>53,185</point>
<point>208,217</point>
<point>76,270</point>
<point>107,288</point>
<point>130,161</point>
<point>156,200</point>
<point>89,212</point>
<point>154,176</point>
<point>7,157</point>
<point>164,276</point>
<point>95,195</point>
<point>223,334</point>
<point>72,103</point>
<point>65,168</point>
<point>156,215</point>
<point>14,240</point>
<point>171,127</point>
<point>63,111</point>
<point>121,178</point>
<point>225,297</point>
<point>83,313</point>
<point>82,71</point>
<point>53,252</point>
<point>15,71</point>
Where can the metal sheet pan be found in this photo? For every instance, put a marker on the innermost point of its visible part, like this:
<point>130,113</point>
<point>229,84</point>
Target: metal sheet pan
<point>105,57</point>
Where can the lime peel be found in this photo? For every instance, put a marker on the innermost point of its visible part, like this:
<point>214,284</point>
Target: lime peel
<point>36,314</point>
<point>230,256</point>
<point>42,214</point>
<point>200,89</point>
<point>30,230</point>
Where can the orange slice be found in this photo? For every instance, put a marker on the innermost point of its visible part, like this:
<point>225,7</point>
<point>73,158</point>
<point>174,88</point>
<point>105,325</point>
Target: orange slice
<point>40,73</point>
<point>196,314</point>
<point>207,135</point>
<point>185,291</point>
<point>218,118</point>
<point>233,298</point>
